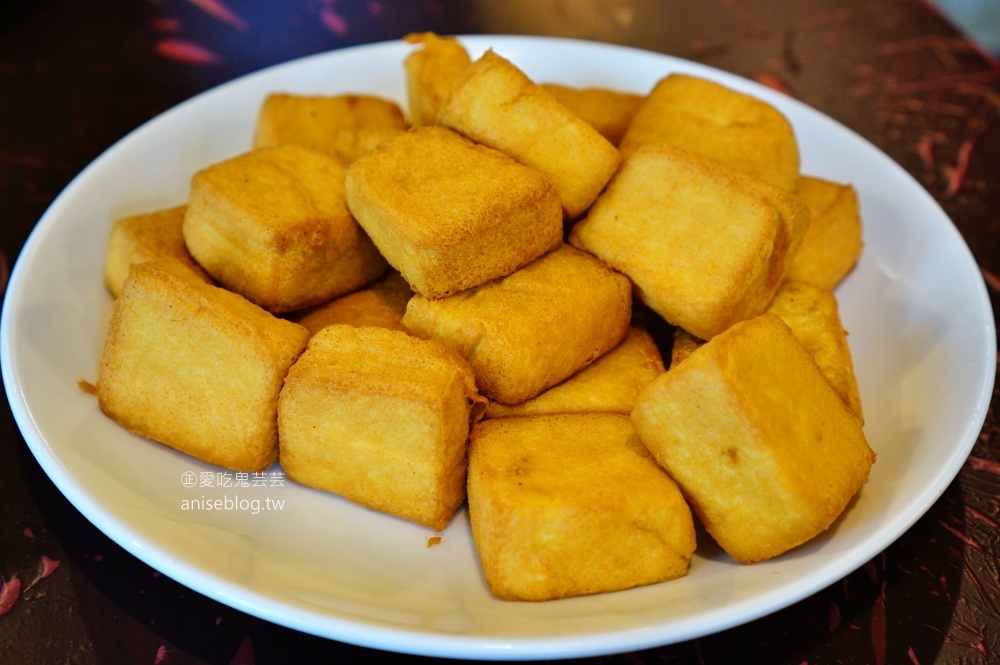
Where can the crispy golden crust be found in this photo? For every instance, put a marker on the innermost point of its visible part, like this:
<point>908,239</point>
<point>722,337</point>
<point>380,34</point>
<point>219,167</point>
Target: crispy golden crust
<point>381,418</point>
<point>273,226</point>
<point>343,126</point>
<point>705,246</point>
<point>833,243</point>
<point>534,328</point>
<point>812,314</point>
<point>704,117</point>
<point>571,505</point>
<point>610,384</point>
<point>381,304</point>
<point>608,111</point>
<point>449,214</point>
<point>196,367</point>
<point>765,451</point>
<point>496,105</point>
<point>431,73</point>
<point>146,237</point>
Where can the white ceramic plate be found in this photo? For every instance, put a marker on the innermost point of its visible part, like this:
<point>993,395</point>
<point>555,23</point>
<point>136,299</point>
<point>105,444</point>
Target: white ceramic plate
<point>922,335</point>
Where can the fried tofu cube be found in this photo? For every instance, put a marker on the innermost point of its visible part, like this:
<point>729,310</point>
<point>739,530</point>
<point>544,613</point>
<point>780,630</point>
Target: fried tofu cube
<point>196,367</point>
<point>381,418</point>
<point>812,314</point>
<point>341,125</point>
<point>146,237</point>
<point>431,73</point>
<point>833,243</point>
<point>530,330</point>
<point>381,304</point>
<point>765,451</point>
<point>610,384</point>
<point>705,246</point>
<point>497,105</point>
<point>449,214</point>
<point>570,505</point>
<point>712,120</point>
<point>273,226</point>
<point>608,111</point>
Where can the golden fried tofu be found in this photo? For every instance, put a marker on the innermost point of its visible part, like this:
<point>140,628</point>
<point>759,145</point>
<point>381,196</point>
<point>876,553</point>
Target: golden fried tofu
<point>569,505</point>
<point>530,330</point>
<point>608,111</point>
<point>497,105</point>
<point>684,345</point>
<point>342,125</point>
<point>381,418</point>
<point>348,145</point>
<point>381,304</point>
<point>449,214</point>
<point>712,120</point>
<point>146,237</point>
<point>833,242</point>
<point>273,225</point>
<point>196,367</point>
<point>765,451</point>
<point>431,73</point>
<point>812,314</point>
<point>705,246</point>
<point>610,384</point>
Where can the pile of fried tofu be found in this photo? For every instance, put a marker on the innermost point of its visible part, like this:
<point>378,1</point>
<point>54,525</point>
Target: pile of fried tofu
<point>416,309</point>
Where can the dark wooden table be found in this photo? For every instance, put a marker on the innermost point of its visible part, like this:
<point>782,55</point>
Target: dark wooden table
<point>77,76</point>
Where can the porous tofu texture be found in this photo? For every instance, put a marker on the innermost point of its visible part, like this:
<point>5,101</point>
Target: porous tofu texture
<point>273,225</point>
<point>343,126</point>
<point>449,214</point>
<point>431,73</point>
<point>571,505</point>
<point>709,119</point>
<point>610,384</point>
<point>381,418</point>
<point>196,367</point>
<point>381,304</point>
<point>833,243</point>
<point>765,451</point>
<point>608,111</point>
<point>532,329</point>
<point>146,237</point>
<point>705,246</point>
<point>497,105</point>
<point>813,315</point>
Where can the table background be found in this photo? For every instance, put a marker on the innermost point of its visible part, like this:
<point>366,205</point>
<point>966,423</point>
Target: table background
<point>77,76</point>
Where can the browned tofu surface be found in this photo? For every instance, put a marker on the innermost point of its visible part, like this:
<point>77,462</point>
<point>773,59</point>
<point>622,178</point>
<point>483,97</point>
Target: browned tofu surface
<point>709,119</point>
<point>146,237</point>
<point>608,111</point>
<point>431,72</point>
<point>196,367</point>
<point>497,105</point>
<point>534,328</point>
<point>381,304</point>
<point>342,126</point>
<point>381,418</point>
<point>449,214</point>
<point>273,226</point>
<point>571,505</point>
<point>705,246</point>
<point>610,384</point>
<point>833,243</point>
<point>766,452</point>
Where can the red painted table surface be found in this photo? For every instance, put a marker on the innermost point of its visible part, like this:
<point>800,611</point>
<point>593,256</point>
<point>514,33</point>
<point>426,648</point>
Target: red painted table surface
<point>77,76</point>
